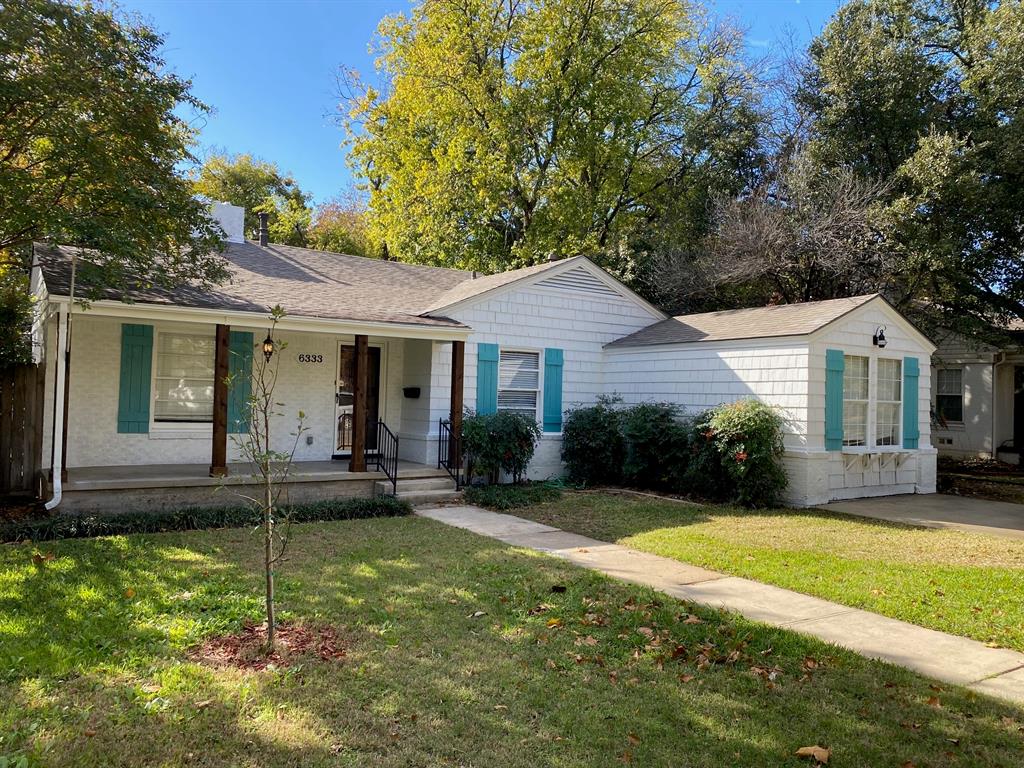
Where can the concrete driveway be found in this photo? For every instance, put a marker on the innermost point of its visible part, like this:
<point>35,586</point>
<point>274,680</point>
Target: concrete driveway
<point>937,510</point>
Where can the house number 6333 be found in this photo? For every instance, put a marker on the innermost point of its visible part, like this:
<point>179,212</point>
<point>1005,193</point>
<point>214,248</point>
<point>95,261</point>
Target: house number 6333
<point>311,358</point>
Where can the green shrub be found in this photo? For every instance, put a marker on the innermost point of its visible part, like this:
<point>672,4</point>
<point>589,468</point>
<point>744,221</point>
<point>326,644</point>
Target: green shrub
<point>502,497</point>
<point>657,446</point>
<point>499,442</point>
<point>745,439</point>
<point>193,518</point>
<point>592,443</point>
<point>705,475</point>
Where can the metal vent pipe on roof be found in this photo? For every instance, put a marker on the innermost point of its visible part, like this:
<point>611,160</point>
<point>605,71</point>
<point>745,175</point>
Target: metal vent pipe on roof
<point>264,235</point>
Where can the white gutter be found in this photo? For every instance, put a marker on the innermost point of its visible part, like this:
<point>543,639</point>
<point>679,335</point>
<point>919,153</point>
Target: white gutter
<point>58,410</point>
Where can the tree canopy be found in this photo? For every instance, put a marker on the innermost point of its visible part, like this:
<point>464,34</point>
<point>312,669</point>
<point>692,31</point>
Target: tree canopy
<point>259,187</point>
<point>928,96</point>
<point>509,131</point>
<point>91,134</point>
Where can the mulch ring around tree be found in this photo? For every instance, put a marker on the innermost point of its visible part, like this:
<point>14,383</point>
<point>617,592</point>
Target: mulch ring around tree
<point>247,649</point>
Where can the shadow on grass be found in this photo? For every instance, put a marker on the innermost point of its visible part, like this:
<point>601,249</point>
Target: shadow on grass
<point>461,654</point>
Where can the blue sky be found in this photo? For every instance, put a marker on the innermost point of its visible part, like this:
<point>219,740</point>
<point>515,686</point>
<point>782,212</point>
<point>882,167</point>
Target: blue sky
<point>268,68</point>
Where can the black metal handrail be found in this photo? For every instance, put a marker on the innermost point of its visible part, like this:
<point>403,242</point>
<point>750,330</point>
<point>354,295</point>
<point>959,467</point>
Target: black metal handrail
<point>387,455</point>
<point>449,452</point>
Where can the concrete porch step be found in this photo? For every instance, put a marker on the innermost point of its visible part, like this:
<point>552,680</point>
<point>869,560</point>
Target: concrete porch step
<point>427,490</point>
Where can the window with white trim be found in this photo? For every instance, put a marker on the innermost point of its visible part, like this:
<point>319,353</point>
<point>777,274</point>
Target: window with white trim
<point>949,395</point>
<point>519,382</point>
<point>888,401</point>
<point>855,400</point>
<point>184,378</point>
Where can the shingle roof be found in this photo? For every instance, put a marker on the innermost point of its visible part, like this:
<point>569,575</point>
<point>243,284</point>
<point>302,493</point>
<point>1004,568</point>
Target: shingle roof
<point>304,282</point>
<point>471,288</point>
<point>733,324</point>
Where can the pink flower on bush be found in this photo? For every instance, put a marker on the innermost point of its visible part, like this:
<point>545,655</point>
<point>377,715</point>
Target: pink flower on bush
<point>740,456</point>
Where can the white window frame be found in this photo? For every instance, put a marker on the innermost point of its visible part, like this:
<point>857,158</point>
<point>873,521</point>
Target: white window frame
<point>867,404</point>
<point>540,380</point>
<point>939,393</point>
<point>160,429</point>
<point>878,401</point>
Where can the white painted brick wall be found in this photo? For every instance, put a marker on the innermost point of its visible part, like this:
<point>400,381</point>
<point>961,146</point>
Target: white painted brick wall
<point>93,439</point>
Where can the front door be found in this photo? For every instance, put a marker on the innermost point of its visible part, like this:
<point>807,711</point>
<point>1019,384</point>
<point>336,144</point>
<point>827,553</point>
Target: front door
<point>345,397</point>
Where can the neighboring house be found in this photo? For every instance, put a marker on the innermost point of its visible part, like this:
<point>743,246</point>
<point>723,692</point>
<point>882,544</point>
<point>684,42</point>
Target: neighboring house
<point>978,397</point>
<point>143,427</point>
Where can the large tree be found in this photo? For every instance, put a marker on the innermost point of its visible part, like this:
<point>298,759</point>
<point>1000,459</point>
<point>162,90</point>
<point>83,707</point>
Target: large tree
<point>928,96</point>
<point>259,187</point>
<point>510,130</point>
<point>91,134</point>
<point>341,225</point>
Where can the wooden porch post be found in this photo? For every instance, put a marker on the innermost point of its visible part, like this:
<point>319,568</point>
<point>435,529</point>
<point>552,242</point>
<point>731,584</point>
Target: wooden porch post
<point>358,461</point>
<point>219,449</point>
<point>458,363</point>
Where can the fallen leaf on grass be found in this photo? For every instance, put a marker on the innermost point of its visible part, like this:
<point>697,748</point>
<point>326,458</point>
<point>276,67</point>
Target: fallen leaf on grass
<point>933,701</point>
<point>691,619</point>
<point>685,678</point>
<point>89,732</point>
<point>555,622</point>
<point>821,754</point>
<point>129,593</point>
<point>204,703</point>
<point>908,764</point>
<point>476,614</point>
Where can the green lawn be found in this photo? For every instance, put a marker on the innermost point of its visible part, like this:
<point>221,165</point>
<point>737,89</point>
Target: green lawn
<point>94,668</point>
<point>964,583</point>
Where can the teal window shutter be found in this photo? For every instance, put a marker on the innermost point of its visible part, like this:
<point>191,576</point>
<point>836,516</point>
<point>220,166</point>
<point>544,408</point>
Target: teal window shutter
<point>552,390</point>
<point>911,428</point>
<point>486,378</point>
<point>240,346</point>
<point>834,365</point>
<point>136,383</point>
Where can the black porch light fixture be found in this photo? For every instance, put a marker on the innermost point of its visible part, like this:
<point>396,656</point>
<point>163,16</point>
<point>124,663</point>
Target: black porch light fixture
<point>268,347</point>
<point>879,339</point>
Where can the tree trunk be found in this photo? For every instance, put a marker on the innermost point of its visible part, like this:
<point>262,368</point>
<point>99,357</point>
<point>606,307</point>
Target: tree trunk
<point>268,560</point>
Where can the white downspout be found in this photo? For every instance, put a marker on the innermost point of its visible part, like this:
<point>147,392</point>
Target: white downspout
<point>58,410</point>
<point>60,386</point>
<point>997,359</point>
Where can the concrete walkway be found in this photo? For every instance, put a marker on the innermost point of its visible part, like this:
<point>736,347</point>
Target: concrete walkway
<point>937,510</point>
<point>994,671</point>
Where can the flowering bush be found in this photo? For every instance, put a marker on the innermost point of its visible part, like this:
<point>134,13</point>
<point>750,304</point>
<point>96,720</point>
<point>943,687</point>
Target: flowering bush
<point>736,454</point>
<point>499,442</point>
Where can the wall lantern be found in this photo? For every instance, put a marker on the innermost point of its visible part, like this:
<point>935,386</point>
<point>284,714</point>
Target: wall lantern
<point>879,339</point>
<point>268,347</point>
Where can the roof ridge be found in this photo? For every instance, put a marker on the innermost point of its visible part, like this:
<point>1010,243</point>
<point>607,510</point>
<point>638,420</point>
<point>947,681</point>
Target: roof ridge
<point>863,297</point>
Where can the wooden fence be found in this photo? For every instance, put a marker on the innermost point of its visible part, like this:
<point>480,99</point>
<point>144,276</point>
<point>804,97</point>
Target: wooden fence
<point>21,428</point>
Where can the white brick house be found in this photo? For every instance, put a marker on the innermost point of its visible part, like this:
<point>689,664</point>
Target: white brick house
<point>141,384</point>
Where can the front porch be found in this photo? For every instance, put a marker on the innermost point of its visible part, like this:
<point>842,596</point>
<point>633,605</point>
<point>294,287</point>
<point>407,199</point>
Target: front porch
<point>158,487</point>
<point>143,424</point>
